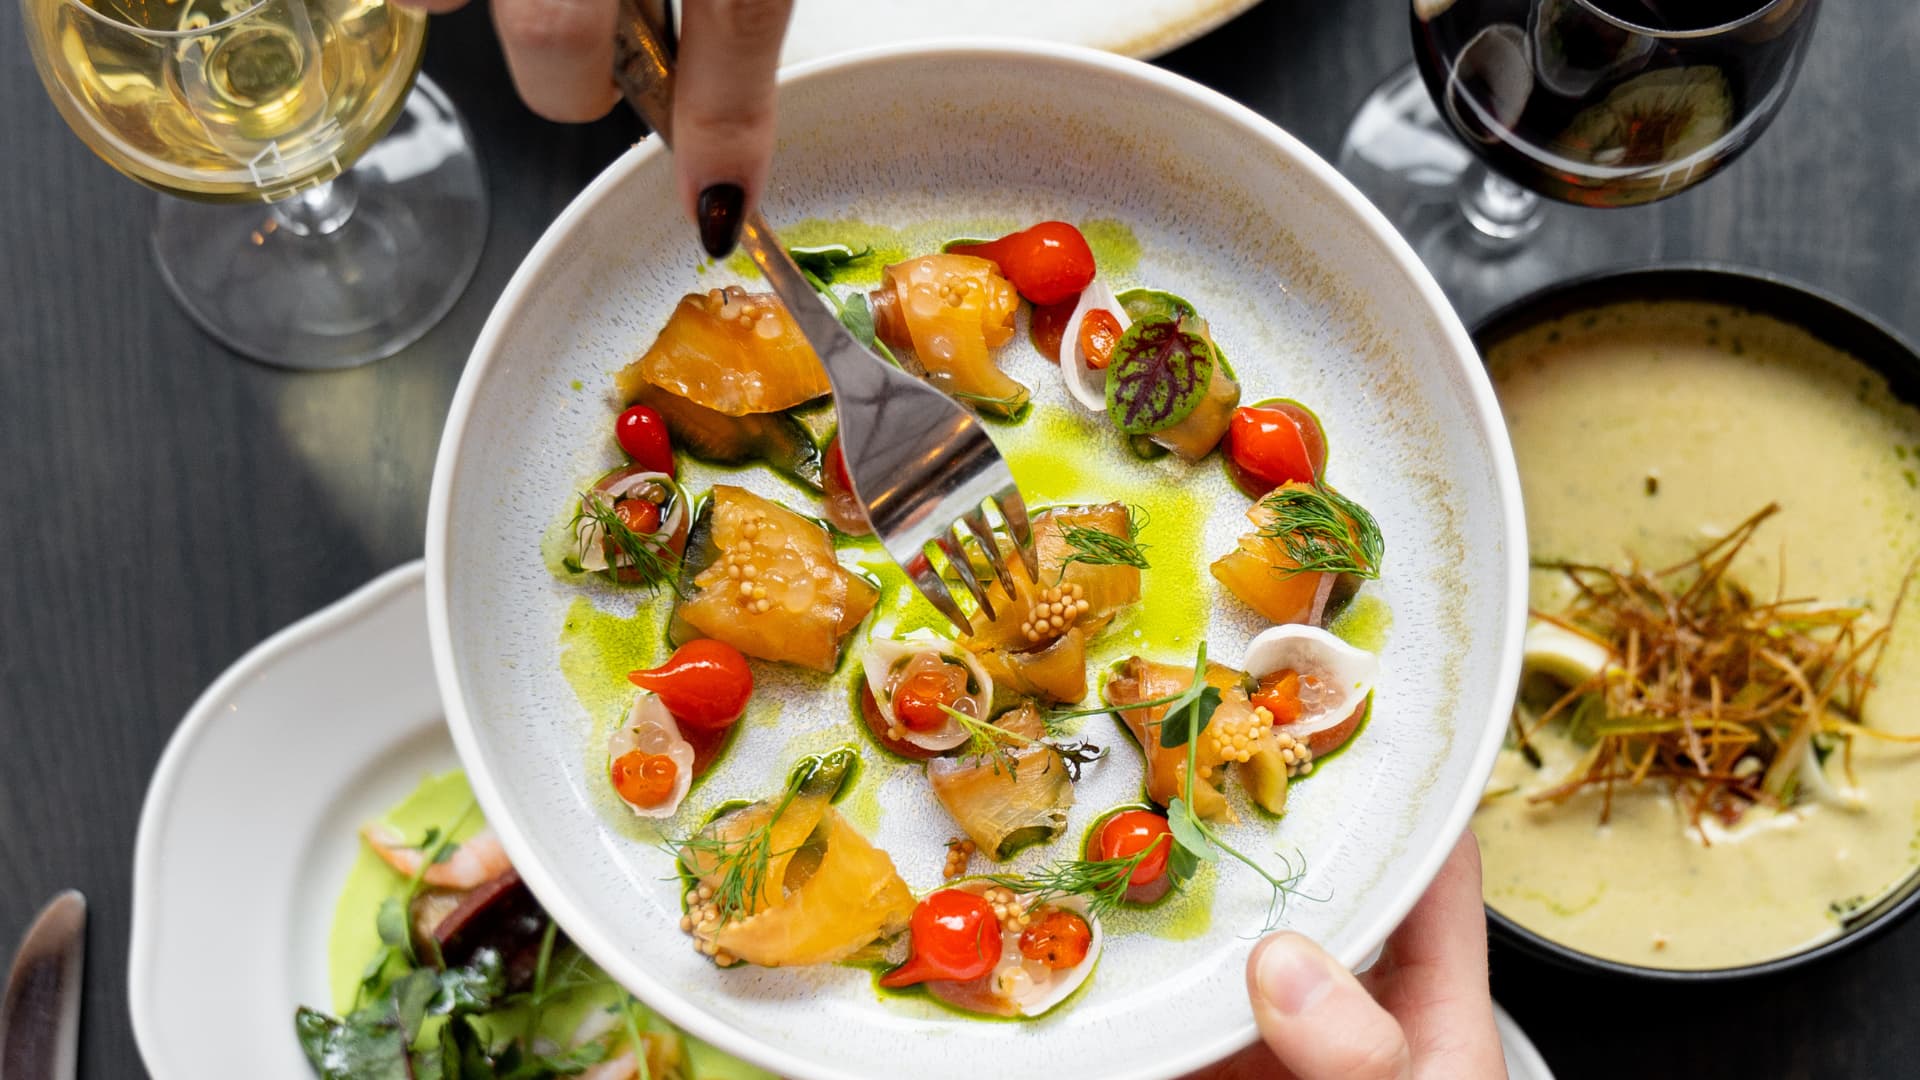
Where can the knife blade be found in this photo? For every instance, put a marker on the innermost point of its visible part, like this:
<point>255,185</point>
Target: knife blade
<point>40,1015</point>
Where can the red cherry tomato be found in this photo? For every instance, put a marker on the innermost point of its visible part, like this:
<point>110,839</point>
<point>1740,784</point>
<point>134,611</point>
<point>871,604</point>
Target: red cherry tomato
<point>919,700</point>
<point>877,724</point>
<point>704,684</point>
<point>1057,940</point>
<point>643,779</point>
<point>643,435</point>
<point>1049,324</point>
<point>1279,694</point>
<point>1048,263</point>
<point>1275,444</point>
<point>837,466</point>
<point>1130,832</point>
<point>1099,333</point>
<point>956,937</point>
<point>639,515</point>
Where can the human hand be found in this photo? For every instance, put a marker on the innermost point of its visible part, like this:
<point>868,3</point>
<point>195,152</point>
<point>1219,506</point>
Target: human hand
<point>1423,1010</point>
<point>561,55</point>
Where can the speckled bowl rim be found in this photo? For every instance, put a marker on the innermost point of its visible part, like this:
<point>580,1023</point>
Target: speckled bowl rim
<point>594,939</point>
<point>1838,323</point>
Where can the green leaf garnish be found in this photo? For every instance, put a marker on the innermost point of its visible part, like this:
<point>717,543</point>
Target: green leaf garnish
<point>1186,831</point>
<point>1323,531</point>
<point>1160,373</point>
<point>817,265</point>
<point>1182,725</point>
<point>822,260</point>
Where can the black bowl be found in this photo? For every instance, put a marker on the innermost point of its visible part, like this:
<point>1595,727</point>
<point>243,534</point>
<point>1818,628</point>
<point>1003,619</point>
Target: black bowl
<point>1828,319</point>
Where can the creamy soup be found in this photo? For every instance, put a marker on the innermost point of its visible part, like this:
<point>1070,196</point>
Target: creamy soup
<point>1647,431</point>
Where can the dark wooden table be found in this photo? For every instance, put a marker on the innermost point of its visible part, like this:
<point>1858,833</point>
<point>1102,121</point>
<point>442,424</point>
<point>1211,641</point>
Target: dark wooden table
<point>166,504</point>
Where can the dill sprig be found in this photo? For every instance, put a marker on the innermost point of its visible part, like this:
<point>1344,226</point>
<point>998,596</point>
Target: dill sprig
<point>1097,547</point>
<point>989,740</point>
<point>741,862</point>
<point>1323,531</point>
<point>1102,882</point>
<point>649,558</point>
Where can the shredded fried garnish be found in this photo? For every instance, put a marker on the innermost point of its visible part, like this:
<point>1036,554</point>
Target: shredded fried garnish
<point>1724,697</point>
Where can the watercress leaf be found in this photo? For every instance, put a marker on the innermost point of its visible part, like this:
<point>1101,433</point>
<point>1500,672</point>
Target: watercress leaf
<point>1187,834</point>
<point>391,922</point>
<point>1159,374</point>
<point>822,259</point>
<point>473,988</point>
<point>365,1046</point>
<point>858,319</point>
<point>411,996</point>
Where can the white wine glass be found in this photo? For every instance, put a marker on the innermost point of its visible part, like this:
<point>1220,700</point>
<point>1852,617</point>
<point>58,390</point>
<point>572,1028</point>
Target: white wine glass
<point>291,231</point>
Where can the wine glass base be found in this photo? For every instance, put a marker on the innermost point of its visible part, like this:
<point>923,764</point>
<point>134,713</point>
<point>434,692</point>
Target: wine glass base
<point>340,292</point>
<point>1406,159</point>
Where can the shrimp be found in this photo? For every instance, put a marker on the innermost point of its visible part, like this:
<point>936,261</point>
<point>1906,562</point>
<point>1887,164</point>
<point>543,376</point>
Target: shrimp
<point>469,864</point>
<point>624,1067</point>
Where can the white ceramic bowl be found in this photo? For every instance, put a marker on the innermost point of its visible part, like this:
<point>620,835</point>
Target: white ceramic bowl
<point>1306,288</point>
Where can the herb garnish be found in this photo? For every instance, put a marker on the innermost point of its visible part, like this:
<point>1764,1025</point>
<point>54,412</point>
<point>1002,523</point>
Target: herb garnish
<point>1322,531</point>
<point>819,265</point>
<point>647,558</point>
<point>991,741</point>
<point>1103,882</point>
<point>1160,373</point>
<point>391,1030</point>
<point>1097,547</point>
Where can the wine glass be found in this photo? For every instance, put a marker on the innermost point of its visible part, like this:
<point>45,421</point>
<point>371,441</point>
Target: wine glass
<point>1596,103</point>
<point>294,239</point>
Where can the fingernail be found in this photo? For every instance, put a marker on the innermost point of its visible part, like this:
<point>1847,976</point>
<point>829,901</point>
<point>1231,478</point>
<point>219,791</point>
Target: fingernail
<point>1291,978</point>
<point>720,212</point>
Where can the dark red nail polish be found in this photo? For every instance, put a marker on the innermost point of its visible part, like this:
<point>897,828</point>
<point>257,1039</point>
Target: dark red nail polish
<point>721,207</point>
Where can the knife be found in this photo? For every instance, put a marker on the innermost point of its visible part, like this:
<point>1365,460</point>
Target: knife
<point>40,1015</point>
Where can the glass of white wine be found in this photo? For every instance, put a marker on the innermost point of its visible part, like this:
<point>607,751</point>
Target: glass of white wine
<point>299,237</point>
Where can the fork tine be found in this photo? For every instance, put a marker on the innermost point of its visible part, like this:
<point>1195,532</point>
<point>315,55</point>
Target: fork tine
<point>920,569</point>
<point>957,555</point>
<point>1014,509</point>
<point>976,523</point>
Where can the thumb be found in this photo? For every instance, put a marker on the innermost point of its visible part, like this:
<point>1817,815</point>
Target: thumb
<point>1317,1018</point>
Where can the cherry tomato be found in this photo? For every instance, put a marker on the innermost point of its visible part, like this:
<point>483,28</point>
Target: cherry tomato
<point>639,515</point>
<point>643,779</point>
<point>1049,323</point>
<point>919,699</point>
<point>1099,333</point>
<point>1047,263</point>
<point>837,466</point>
<point>1279,694</point>
<point>1057,940</point>
<point>877,724</point>
<point>704,684</point>
<point>1130,832</point>
<point>1274,444</point>
<point>643,435</point>
<point>956,937</point>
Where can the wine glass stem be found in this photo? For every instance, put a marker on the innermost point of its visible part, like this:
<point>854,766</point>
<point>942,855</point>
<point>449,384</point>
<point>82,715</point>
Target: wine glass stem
<point>1503,214</point>
<point>320,210</point>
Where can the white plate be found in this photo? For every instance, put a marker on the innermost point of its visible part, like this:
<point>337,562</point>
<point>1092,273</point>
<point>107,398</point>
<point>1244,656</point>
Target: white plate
<point>1141,28</point>
<point>248,829</point>
<point>1305,286</point>
<point>1523,1061</point>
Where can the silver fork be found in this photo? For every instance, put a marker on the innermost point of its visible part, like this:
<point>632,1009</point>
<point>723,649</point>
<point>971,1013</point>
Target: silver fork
<point>921,466</point>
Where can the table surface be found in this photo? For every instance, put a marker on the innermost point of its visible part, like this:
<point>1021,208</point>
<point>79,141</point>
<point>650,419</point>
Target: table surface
<point>168,504</point>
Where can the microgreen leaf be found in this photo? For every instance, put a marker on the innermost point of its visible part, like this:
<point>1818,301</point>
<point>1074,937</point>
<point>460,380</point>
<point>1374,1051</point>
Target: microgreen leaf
<point>1160,374</point>
<point>1187,831</point>
<point>822,260</point>
<point>858,319</point>
<point>391,922</point>
<point>1188,719</point>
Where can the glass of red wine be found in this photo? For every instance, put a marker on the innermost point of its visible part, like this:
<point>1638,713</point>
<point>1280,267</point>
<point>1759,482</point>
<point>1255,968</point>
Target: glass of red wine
<point>1595,103</point>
